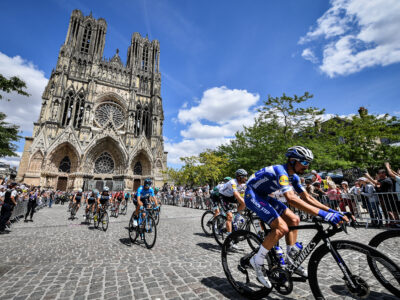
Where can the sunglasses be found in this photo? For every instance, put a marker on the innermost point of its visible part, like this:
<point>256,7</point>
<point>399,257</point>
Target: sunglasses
<point>304,163</point>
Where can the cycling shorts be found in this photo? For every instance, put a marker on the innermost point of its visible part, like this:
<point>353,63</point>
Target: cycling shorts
<point>103,201</point>
<point>267,208</point>
<point>91,201</point>
<point>228,203</point>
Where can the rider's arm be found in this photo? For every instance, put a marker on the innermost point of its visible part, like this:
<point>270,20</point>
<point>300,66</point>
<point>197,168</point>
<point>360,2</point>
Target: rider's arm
<point>312,201</point>
<point>239,198</point>
<point>295,201</point>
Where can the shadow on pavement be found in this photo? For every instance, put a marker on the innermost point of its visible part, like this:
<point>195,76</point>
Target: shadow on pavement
<point>210,247</point>
<point>341,290</point>
<point>221,285</point>
<point>202,234</point>
<point>126,242</point>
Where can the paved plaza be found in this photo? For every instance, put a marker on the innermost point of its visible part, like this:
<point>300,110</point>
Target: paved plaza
<point>56,258</point>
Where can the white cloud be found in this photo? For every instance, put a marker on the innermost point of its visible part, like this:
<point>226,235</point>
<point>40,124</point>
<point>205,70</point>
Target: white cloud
<point>22,110</point>
<point>308,54</point>
<point>357,34</point>
<point>12,161</point>
<point>213,121</point>
<point>219,104</point>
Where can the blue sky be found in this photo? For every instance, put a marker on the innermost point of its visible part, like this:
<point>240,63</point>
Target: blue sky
<point>220,59</point>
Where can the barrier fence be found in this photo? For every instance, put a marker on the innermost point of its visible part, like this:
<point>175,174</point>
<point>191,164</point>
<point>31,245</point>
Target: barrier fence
<point>370,209</point>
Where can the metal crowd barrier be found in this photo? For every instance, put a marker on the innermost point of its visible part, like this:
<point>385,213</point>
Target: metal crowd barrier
<point>370,209</point>
<point>19,210</point>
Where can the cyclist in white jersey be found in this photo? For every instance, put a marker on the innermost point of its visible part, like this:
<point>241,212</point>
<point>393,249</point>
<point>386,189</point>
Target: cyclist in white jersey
<point>232,192</point>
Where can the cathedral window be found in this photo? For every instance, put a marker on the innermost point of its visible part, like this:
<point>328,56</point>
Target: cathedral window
<point>79,110</point>
<point>104,164</point>
<point>87,34</point>
<point>137,169</point>
<point>109,112</point>
<point>68,108</point>
<point>65,165</point>
<point>145,58</point>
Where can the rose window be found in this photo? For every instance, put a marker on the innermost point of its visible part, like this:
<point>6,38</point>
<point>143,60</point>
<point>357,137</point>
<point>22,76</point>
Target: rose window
<point>109,112</point>
<point>104,164</point>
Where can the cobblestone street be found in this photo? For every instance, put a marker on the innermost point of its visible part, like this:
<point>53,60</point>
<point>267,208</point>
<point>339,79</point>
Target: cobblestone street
<point>56,258</point>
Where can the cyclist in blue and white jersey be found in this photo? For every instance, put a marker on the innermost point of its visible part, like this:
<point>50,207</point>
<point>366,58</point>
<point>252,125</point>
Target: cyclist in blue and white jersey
<point>144,195</point>
<point>276,214</point>
<point>233,192</point>
<point>214,196</point>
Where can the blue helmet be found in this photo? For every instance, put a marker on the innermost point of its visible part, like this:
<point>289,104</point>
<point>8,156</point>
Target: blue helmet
<point>147,181</point>
<point>300,153</point>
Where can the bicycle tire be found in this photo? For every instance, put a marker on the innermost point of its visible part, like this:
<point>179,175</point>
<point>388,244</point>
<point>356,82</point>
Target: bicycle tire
<point>206,222</point>
<point>96,220</point>
<point>116,212</point>
<point>375,242</point>
<point>150,227</point>
<point>104,221</point>
<point>219,229</point>
<point>254,225</point>
<point>356,250</point>
<point>157,216</point>
<point>254,289</point>
<point>133,231</point>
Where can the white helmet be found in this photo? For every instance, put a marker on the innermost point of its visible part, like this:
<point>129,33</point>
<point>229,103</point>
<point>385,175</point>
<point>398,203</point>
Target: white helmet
<point>80,191</point>
<point>300,153</point>
<point>106,189</point>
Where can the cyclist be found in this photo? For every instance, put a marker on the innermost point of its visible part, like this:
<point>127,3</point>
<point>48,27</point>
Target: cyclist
<point>144,194</point>
<point>77,199</point>
<point>102,200</point>
<point>214,196</point>
<point>118,197</point>
<point>233,192</point>
<point>90,201</point>
<point>276,214</point>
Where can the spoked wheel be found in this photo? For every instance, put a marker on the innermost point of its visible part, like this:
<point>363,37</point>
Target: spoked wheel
<point>104,221</point>
<point>387,242</point>
<point>255,225</point>
<point>328,282</point>
<point>236,253</point>
<point>133,232</point>
<point>73,212</point>
<point>207,221</point>
<point>123,210</point>
<point>219,229</point>
<point>116,212</point>
<point>156,215</point>
<point>149,231</point>
<point>96,220</point>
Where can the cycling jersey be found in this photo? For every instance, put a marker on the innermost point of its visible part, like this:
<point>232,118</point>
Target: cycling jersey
<point>265,182</point>
<point>78,196</point>
<point>104,197</point>
<point>91,198</point>
<point>126,196</point>
<point>143,193</point>
<point>230,187</point>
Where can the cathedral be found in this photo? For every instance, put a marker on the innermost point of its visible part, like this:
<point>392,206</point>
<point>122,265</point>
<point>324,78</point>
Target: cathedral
<point>101,121</point>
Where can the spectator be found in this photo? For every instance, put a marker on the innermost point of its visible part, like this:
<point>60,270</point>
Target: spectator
<point>9,203</point>
<point>346,199</point>
<point>316,175</point>
<point>333,194</point>
<point>395,176</point>
<point>372,202</point>
<point>310,188</point>
<point>32,200</point>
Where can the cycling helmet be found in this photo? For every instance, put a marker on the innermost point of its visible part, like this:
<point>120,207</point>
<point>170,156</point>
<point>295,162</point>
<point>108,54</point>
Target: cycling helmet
<point>156,189</point>
<point>240,173</point>
<point>226,179</point>
<point>106,189</point>
<point>80,191</point>
<point>147,181</point>
<point>300,153</point>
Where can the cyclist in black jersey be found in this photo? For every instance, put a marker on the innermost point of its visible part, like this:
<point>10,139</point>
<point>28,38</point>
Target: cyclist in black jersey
<point>90,201</point>
<point>103,199</point>
<point>77,199</point>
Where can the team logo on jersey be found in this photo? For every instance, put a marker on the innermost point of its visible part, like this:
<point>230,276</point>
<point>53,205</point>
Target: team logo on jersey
<point>234,186</point>
<point>283,180</point>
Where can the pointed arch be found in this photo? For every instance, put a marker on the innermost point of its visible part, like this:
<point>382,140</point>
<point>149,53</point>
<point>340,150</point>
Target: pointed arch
<point>142,159</point>
<point>35,162</point>
<point>59,153</point>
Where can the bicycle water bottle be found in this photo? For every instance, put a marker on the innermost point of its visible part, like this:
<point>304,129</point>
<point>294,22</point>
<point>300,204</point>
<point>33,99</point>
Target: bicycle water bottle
<point>296,249</point>
<point>279,255</point>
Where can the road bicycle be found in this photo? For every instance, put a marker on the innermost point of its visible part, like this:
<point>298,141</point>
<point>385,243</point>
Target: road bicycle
<point>89,213</point>
<point>249,222</point>
<point>155,212</point>
<point>144,227</point>
<point>388,242</point>
<point>115,209</point>
<point>101,217</point>
<point>123,207</point>
<point>337,269</point>
<point>73,210</point>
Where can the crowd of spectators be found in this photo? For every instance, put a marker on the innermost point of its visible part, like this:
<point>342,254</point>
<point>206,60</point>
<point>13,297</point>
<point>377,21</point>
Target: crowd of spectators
<point>378,195</point>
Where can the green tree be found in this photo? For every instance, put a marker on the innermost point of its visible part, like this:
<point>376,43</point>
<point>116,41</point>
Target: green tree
<point>9,132</point>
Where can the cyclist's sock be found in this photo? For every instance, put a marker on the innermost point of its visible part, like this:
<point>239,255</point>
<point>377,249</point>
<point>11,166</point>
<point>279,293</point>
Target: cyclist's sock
<point>288,248</point>
<point>260,255</point>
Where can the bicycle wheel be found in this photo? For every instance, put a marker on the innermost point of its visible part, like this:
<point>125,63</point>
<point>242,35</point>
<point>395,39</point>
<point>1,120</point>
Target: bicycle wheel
<point>254,225</point>
<point>387,242</point>
<point>236,264</point>
<point>219,229</point>
<point>116,212</point>
<point>96,220</point>
<point>326,278</point>
<point>123,209</point>
<point>104,221</point>
<point>133,232</point>
<point>150,231</point>
<point>156,216</point>
<point>73,212</point>
<point>206,222</point>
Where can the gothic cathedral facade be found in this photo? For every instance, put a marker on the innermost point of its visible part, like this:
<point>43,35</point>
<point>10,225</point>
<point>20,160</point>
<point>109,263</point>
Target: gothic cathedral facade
<point>101,121</point>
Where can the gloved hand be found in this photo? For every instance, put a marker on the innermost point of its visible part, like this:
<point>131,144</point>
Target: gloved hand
<point>157,207</point>
<point>335,211</point>
<point>331,217</point>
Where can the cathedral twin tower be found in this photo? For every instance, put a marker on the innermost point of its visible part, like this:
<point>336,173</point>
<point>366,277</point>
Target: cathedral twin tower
<point>101,122</point>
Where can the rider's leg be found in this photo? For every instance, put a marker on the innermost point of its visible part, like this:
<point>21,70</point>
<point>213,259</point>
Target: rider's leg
<point>291,220</point>
<point>229,218</point>
<point>139,204</point>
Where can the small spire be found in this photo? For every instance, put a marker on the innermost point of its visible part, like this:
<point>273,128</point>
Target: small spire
<point>117,51</point>
<point>91,14</point>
